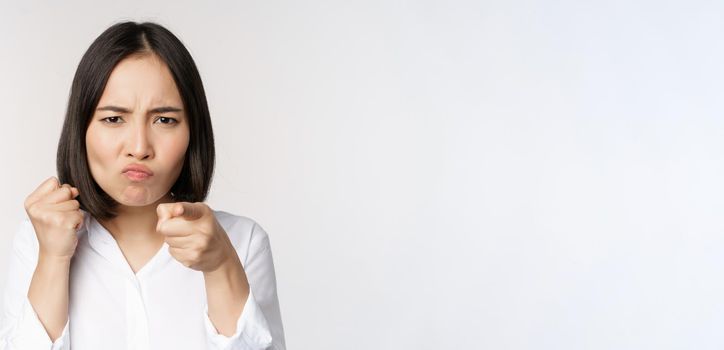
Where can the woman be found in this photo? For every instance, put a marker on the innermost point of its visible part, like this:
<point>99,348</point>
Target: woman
<point>120,252</point>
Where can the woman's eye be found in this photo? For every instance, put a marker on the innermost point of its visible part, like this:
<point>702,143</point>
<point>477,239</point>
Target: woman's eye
<point>111,120</point>
<point>167,120</point>
<point>118,120</point>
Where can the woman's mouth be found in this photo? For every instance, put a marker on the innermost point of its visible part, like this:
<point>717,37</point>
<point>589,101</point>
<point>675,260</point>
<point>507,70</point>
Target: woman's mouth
<point>136,175</point>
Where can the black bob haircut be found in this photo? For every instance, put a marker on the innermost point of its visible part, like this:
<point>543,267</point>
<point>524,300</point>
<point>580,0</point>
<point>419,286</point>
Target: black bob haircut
<point>120,41</point>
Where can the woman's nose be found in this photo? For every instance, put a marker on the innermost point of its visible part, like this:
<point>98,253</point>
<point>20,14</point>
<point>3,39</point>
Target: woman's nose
<point>139,145</point>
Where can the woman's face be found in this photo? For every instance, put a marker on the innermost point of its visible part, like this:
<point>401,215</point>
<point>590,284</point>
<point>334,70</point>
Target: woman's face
<point>139,121</point>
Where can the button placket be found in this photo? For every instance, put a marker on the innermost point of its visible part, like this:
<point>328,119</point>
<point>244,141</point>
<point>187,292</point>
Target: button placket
<point>136,319</point>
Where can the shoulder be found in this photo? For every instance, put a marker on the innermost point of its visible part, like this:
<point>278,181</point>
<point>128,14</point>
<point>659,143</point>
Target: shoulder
<point>236,223</point>
<point>247,235</point>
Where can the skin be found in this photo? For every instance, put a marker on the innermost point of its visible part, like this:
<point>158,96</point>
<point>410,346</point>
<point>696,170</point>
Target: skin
<point>115,139</point>
<point>147,215</point>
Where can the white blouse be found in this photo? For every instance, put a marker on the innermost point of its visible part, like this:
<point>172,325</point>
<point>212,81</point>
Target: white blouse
<point>162,306</point>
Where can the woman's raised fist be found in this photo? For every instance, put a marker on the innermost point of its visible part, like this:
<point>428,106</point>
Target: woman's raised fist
<point>56,216</point>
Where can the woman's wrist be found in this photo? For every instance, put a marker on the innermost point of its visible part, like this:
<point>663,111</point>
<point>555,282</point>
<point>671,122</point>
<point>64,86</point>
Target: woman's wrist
<point>53,261</point>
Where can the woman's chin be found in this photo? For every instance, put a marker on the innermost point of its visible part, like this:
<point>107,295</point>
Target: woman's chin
<point>136,196</point>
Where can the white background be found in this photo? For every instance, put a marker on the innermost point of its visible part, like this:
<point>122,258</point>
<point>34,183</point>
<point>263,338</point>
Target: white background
<point>439,174</point>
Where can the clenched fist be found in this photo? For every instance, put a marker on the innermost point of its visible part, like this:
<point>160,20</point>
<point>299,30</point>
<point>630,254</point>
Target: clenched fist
<point>56,216</point>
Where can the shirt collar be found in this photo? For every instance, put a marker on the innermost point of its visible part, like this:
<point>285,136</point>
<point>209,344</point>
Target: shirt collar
<point>105,244</point>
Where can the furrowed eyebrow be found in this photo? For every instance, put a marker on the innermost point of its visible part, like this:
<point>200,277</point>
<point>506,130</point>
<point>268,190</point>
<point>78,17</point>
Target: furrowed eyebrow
<point>164,109</point>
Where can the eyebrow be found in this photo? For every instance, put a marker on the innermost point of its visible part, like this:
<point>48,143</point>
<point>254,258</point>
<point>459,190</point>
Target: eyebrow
<point>164,109</point>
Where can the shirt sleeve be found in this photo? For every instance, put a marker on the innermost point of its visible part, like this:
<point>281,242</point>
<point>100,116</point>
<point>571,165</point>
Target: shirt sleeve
<point>20,327</point>
<point>259,326</point>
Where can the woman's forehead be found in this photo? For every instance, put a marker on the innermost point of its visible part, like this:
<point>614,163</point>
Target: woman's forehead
<point>139,81</point>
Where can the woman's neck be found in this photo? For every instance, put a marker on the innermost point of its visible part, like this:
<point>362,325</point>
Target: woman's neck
<point>135,224</point>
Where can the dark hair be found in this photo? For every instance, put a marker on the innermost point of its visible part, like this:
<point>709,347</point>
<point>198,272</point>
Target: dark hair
<point>113,45</point>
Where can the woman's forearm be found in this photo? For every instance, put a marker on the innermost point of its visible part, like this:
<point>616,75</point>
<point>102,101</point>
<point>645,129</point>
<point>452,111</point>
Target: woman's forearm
<point>226,291</point>
<point>48,293</point>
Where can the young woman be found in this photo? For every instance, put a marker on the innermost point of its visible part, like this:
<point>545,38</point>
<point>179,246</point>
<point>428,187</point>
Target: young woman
<point>119,251</point>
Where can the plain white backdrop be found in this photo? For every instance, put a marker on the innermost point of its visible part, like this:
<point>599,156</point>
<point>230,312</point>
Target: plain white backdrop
<point>438,174</point>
